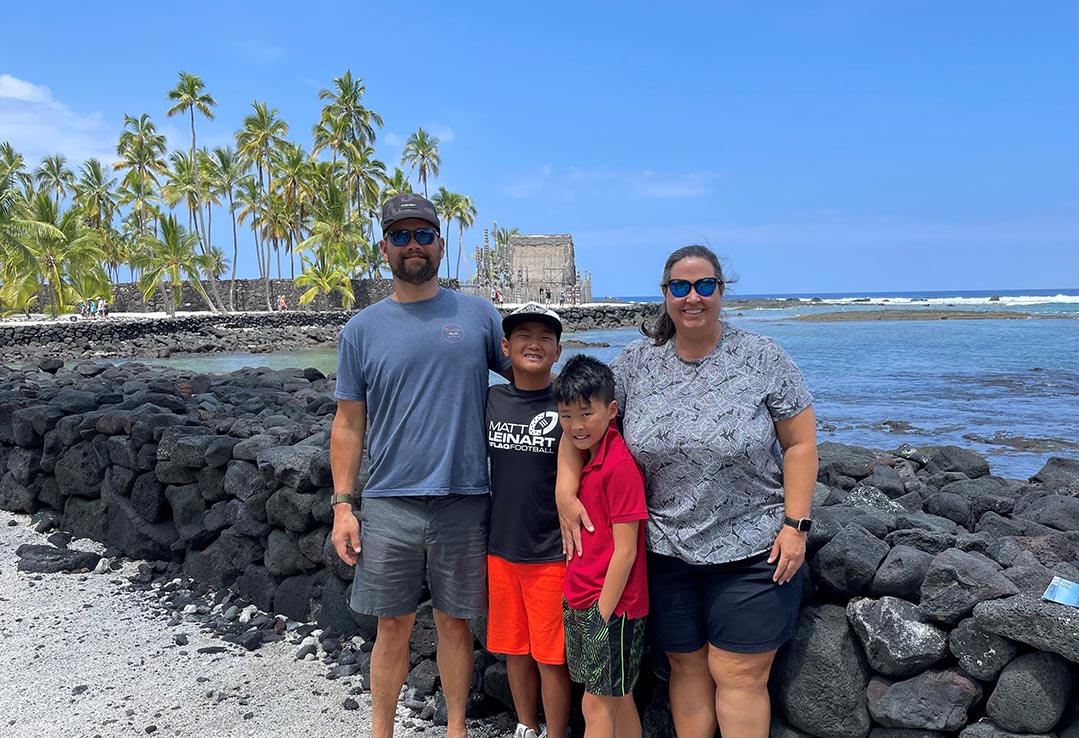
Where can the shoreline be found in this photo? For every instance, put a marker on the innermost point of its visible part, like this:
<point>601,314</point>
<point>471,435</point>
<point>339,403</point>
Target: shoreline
<point>194,333</point>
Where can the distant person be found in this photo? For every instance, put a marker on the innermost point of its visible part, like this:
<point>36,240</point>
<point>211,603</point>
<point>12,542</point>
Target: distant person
<point>606,587</point>
<point>525,567</point>
<point>726,542</point>
<point>561,298</point>
<point>103,308</point>
<point>281,304</point>
<point>548,293</point>
<point>412,377</point>
<point>92,307</point>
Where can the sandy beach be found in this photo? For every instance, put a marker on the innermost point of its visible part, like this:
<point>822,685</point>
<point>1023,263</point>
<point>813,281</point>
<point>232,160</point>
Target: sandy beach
<point>85,655</point>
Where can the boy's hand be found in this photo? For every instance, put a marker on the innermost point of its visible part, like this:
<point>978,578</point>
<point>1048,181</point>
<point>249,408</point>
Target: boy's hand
<point>790,551</point>
<point>571,516</point>
<point>346,535</point>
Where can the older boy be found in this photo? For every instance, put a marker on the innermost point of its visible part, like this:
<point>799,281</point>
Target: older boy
<point>606,591</point>
<point>525,566</point>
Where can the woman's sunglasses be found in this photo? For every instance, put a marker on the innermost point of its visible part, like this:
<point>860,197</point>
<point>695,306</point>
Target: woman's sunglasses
<point>423,236</point>
<point>704,287</point>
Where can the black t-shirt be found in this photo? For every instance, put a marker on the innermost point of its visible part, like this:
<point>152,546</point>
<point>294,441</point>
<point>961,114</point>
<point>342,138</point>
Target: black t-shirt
<point>522,441</point>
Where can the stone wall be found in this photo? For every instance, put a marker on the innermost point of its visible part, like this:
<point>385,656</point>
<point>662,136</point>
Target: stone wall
<point>260,332</point>
<point>922,612</point>
<point>250,296</point>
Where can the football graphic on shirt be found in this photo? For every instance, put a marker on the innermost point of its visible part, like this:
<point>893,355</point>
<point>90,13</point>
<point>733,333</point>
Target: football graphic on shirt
<point>543,423</point>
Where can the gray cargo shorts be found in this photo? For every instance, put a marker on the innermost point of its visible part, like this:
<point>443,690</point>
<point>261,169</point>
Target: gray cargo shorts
<point>405,539</point>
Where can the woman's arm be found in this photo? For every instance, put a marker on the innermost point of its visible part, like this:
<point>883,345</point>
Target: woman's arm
<point>571,513</point>
<point>798,438</point>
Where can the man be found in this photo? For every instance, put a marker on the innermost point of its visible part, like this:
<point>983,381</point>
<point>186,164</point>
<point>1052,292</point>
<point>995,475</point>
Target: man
<point>412,380</point>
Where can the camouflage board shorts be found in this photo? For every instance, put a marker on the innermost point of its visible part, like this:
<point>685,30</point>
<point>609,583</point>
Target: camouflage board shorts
<point>605,657</point>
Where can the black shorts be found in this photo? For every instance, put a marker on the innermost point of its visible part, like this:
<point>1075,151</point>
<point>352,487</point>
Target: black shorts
<point>734,606</point>
<point>604,656</point>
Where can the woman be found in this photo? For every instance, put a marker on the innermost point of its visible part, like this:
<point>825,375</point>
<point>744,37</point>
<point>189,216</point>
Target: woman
<point>703,405</point>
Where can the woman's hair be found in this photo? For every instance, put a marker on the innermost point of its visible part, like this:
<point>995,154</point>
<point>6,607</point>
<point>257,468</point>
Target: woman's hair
<point>663,330</point>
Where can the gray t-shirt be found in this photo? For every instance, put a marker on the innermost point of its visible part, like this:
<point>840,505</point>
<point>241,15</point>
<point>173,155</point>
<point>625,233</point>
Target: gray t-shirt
<point>421,367</point>
<point>703,433</point>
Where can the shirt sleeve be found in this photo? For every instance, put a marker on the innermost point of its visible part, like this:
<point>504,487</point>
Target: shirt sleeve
<point>351,384</point>
<point>625,493</point>
<point>787,393</point>
<point>497,361</point>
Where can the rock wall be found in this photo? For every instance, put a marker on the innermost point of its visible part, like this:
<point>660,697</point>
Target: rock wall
<point>250,296</point>
<point>259,332</point>
<point>922,613</point>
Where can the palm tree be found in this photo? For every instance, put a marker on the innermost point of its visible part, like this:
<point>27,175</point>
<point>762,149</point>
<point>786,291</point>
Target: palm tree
<point>55,255</point>
<point>54,175</point>
<point>166,260</point>
<point>262,132</point>
<point>189,96</point>
<point>142,153</point>
<point>95,196</point>
<point>446,204</point>
<point>19,230</point>
<point>421,151</point>
<point>346,104</point>
<point>465,213</point>
<point>324,274</point>
<point>395,185</point>
<point>294,174</point>
<point>226,172</point>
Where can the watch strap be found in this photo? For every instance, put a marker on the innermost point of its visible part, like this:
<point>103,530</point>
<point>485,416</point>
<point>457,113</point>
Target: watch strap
<point>341,497</point>
<point>799,524</point>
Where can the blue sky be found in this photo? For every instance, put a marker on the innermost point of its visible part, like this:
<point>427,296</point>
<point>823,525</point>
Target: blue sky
<point>818,147</point>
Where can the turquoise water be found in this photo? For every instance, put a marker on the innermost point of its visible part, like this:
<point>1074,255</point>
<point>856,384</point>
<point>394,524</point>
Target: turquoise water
<point>948,379</point>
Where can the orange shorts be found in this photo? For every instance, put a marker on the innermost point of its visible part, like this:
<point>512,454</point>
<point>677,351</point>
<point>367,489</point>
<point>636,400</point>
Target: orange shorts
<point>525,615</point>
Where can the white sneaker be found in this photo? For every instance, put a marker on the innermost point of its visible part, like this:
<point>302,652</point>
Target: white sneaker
<point>523,731</point>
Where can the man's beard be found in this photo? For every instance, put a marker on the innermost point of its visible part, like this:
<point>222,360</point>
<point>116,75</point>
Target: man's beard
<point>420,274</point>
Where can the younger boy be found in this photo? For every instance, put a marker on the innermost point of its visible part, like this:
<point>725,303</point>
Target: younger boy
<point>525,566</point>
<point>606,591</point>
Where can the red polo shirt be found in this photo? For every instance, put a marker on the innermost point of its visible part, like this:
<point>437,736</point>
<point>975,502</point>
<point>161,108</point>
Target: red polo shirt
<point>612,491</point>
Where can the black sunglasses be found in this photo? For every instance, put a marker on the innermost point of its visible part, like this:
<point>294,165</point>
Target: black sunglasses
<point>423,236</point>
<point>704,287</point>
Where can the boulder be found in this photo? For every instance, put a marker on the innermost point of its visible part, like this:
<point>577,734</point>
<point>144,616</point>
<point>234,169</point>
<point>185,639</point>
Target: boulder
<point>951,506</point>
<point>249,448</point>
<point>148,498</point>
<point>283,556</point>
<point>822,674</point>
<point>1059,474</point>
<point>40,559</point>
<point>188,508</point>
<point>259,586</point>
<point>956,581</point>
<point>1048,626</point>
<point>16,497</point>
<point>986,729</point>
<point>898,640</point>
<point>1031,693</point>
<point>933,700</point>
<point>243,480</point>
<point>79,471</point>
<point>848,563</point>
<point>980,653</point>
<point>289,466</point>
<point>424,679</point>
<point>133,534</point>
<point>1053,511</point>
<point>837,460</point>
<point>219,451</point>
<point>298,597</point>
<point>221,562</point>
<point>85,518</point>
<point>287,508</point>
<point>932,542</point>
<point>497,684</point>
<point>956,459</point>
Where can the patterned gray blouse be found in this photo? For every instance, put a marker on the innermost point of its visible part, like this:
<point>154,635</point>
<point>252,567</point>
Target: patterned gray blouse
<point>703,432</point>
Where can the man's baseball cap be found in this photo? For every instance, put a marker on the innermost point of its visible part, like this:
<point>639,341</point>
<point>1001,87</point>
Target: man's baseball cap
<point>409,205</point>
<point>532,312</point>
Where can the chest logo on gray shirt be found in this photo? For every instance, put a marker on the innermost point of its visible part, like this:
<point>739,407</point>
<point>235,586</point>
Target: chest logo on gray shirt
<point>452,333</point>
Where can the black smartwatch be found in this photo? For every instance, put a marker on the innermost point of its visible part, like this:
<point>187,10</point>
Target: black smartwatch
<point>800,524</point>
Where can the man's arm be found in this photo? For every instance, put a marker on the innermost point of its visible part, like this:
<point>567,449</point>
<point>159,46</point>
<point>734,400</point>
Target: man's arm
<point>571,513</point>
<point>625,553</point>
<point>798,439</point>
<point>346,453</point>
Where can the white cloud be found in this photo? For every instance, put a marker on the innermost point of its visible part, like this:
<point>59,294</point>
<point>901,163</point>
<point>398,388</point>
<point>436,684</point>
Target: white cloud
<point>37,124</point>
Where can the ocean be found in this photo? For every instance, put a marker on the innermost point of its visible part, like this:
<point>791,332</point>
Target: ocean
<point>1008,389</point>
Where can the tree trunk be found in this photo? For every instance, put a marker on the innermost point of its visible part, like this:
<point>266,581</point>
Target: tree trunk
<point>235,254</point>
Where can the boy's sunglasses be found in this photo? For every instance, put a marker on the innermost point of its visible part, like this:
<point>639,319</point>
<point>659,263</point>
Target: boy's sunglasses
<point>704,287</point>
<point>423,236</point>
